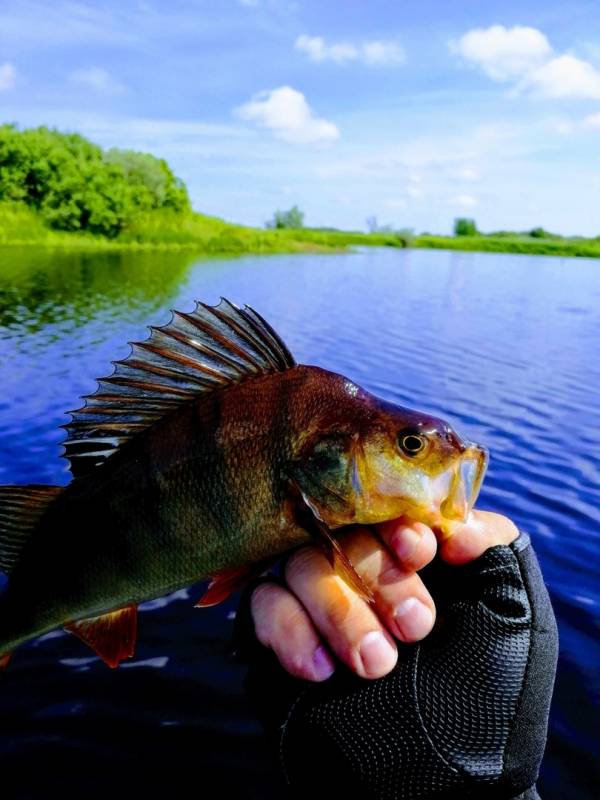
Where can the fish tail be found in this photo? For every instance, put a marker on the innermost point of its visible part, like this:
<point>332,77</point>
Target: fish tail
<point>21,508</point>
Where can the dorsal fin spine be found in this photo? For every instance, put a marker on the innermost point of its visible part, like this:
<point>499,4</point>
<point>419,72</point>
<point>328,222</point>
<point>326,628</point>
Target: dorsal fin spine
<point>194,354</point>
<point>190,342</point>
<point>186,362</point>
<point>215,353</point>
<point>164,372</point>
<point>285,357</point>
<point>263,333</point>
<point>245,335</point>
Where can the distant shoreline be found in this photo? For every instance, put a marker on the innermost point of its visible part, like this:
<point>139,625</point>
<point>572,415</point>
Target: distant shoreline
<point>524,245</point>
<point>160,230</point>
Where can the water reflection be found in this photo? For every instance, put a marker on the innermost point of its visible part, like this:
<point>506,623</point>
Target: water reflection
<point>46,287</point>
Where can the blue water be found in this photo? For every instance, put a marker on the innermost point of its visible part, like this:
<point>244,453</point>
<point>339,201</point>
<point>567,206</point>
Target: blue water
<point>505,347</point>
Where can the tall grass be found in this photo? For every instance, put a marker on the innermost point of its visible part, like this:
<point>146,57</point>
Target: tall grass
<point>573,248</point>
<point>167,230</point>
<point>19,225</point>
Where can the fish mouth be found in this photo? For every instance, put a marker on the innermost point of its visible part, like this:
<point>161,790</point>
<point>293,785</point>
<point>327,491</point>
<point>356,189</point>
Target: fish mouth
<point>466,479</point>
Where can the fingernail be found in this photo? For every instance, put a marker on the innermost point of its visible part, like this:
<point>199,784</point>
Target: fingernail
<point>377,654</point>
<point>323,665</point>
<point>405,542</point>
<point>413,619</point>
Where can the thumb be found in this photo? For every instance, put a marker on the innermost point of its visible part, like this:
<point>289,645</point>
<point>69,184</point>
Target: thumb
<point>470,539</point>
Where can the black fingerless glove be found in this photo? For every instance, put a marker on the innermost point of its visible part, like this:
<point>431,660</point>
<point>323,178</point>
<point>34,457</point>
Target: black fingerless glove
<point>463,715</point>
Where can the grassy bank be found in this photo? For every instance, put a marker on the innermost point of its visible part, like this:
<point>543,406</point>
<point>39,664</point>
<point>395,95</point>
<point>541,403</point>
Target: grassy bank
<point>573,248</point>
<point>162,230</point>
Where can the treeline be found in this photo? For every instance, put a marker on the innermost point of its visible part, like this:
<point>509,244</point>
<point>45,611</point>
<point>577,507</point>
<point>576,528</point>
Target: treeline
<point>465,226</point>
<point>75,185</point>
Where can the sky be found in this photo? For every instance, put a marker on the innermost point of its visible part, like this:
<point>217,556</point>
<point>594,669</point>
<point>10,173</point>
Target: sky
<point>411,112</point>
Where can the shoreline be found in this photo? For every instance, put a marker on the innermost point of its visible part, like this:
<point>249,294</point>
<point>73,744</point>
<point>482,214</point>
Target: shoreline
<point>20,227</point>
<point>517,245</point>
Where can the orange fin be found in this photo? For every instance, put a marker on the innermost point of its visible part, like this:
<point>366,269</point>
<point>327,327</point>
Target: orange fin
<point>4,659</point>
<point>340,561</point>
<point>228,581</point>
<point>112,636</point>
<point>330,546</point>
<point>343,567</point>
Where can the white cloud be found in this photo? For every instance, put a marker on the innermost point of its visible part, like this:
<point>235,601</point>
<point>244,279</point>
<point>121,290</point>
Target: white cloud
<point>374,53</point>
<point>465,201</point>
<point>469,174</point>
<point>525,55</point>
<point>504,53</point>
<point>286,113</point>
<point>249,3</point>
<point>564,76</point>
<point>8,76</point>
<point>592,122</point>
<point>97,79</point>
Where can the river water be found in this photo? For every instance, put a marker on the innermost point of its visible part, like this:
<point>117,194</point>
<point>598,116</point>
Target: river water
<point>504,347</point>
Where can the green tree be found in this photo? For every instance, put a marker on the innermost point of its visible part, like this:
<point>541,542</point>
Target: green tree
<point>293,218</point>
<point>465,227</point>
<point>75,186</point>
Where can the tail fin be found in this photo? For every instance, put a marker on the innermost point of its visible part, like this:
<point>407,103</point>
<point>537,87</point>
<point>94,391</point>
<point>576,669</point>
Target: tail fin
<point>21,507</point>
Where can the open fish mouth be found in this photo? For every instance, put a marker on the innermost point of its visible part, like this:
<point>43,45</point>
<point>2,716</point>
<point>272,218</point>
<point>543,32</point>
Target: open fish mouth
<point>466,479</point>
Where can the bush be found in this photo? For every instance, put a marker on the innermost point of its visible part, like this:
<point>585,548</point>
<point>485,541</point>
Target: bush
<point>542,233</point>
<point>75,186</point>
<point>292,219</point>
<point>465,227</point>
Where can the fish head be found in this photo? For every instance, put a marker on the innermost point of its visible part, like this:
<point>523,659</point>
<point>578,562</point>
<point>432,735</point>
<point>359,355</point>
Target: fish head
<point>393,462</point>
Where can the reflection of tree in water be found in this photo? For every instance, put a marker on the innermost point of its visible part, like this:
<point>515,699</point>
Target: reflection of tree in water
<point>41,287</point>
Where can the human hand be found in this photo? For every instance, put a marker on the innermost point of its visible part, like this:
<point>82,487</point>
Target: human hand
<point>317,617</point>
<point>464,711</point>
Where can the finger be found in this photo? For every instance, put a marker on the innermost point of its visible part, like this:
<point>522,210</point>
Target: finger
<point>413,543</point>
<point>402,602</point>
<point>483,530</point>
<point>282,624</point>
<point>349,626</point>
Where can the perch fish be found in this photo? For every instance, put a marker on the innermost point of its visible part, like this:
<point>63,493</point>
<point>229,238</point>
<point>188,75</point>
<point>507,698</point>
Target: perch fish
<point>207,454</point>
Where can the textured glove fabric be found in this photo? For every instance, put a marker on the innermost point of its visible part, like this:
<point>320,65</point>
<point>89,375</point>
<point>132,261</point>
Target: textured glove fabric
<point>463,715</point>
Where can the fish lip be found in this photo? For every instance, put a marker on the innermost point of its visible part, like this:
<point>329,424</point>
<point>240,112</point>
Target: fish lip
<point>468,475</point>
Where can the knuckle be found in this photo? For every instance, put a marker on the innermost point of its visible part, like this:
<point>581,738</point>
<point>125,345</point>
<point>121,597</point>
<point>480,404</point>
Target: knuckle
<point>345,622</point>
<point>300,564</point>
<point>422,529</point>
<point>390,573</point>
<point>292,623</point>
<point>263,606</point>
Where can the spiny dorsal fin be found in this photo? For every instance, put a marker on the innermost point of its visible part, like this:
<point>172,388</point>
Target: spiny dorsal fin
<point>20,509</point>
<point>193,354</point>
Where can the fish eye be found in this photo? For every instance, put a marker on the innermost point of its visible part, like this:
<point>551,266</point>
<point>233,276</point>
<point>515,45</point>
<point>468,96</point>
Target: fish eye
<point>411,443</point>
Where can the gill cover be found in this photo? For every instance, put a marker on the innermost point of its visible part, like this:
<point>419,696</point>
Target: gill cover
<point>327,475</point>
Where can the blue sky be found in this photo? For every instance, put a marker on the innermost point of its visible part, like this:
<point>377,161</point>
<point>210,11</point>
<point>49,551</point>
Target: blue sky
<point>411,112</point>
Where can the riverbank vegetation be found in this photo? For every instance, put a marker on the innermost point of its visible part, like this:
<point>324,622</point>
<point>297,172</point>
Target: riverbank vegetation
<point>61,190</point>
<point>163,230</point>
<point>536,241</point>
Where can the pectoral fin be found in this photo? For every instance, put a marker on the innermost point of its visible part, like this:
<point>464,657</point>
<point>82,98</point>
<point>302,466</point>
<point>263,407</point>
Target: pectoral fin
<point>4,659</point>
<point>307,517</point>
<point>112,636</point>
<point>228,581</point>
<point>341,563</point>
